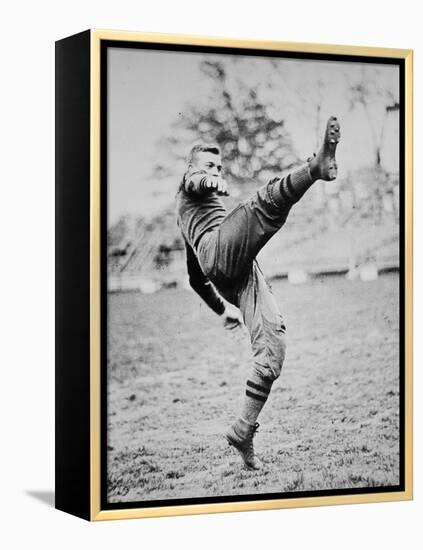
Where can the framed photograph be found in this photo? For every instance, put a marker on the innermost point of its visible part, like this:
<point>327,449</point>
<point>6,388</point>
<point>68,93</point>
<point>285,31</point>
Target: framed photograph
<point>233,275</point>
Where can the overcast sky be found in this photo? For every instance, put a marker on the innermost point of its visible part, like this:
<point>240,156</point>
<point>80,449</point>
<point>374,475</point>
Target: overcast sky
<point>149,90</point>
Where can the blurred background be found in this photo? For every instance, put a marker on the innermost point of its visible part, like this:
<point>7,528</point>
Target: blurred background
<point>268,115</point>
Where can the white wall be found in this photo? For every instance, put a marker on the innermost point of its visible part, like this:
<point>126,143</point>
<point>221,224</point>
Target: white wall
<point>28,31</point>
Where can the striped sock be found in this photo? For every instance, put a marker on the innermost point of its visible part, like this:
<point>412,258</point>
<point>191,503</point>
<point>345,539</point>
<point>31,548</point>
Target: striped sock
<point>256,394</point>
<point>294,186</point>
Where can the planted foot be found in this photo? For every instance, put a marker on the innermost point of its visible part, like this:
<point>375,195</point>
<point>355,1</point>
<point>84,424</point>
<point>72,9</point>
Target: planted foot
<point>240,436</point>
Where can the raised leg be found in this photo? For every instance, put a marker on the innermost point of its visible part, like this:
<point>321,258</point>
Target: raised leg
<point>245,230</point>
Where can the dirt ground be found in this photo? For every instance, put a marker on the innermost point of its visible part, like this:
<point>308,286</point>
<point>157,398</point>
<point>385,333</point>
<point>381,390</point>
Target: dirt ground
<point>176,379</point>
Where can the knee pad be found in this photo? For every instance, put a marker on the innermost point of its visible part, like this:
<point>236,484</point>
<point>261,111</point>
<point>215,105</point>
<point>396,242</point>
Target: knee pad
<point>269,363</point>
<point>276,351</point>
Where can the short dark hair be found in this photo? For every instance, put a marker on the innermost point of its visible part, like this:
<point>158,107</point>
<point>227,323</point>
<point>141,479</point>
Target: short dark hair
<point>203,148</point>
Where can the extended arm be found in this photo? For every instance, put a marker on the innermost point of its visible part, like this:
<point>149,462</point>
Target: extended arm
<point>201,284</point>
<point>199,183</point>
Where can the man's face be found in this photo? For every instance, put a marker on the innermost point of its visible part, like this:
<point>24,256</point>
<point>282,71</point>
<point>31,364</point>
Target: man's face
<point>209,162</point>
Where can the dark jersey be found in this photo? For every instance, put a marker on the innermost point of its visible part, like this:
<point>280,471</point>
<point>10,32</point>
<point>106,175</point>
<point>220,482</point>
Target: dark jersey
<point>202,284</point>
<point>199,210</point>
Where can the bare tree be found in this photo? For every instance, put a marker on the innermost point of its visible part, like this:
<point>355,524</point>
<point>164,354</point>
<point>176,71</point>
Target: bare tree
<point>376,102</point>
<point>255,144</point>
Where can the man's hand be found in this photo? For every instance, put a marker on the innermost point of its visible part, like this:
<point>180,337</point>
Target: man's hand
<point>200,182</point>
<point>232,318</point>
<point>218,184</point>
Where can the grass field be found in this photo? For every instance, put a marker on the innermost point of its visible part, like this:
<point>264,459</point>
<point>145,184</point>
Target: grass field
<point>176,379</point>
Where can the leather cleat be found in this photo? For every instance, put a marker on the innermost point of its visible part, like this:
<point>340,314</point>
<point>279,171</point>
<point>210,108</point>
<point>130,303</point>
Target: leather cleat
<point>323,165</point>
<point>240,436</point>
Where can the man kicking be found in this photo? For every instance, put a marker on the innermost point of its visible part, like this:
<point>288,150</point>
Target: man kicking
<point>221,260</point>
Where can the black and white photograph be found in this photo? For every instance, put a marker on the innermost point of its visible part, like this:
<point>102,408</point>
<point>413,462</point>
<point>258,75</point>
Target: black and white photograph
<point>253,275</point>
<point>211,245</point>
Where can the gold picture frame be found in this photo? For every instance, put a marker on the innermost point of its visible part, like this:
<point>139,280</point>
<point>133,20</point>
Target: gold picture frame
<point>79,351</point>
